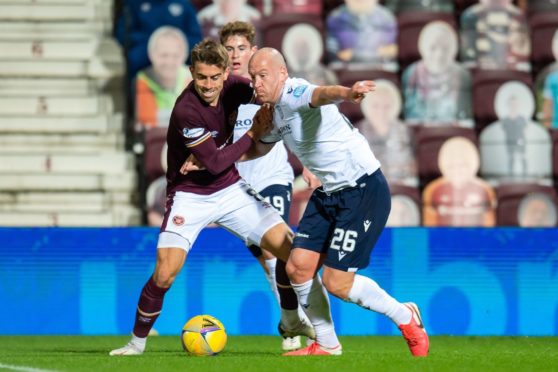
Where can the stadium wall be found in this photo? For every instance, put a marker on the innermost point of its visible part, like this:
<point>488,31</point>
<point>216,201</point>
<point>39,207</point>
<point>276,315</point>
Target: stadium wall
<point>500,281</point>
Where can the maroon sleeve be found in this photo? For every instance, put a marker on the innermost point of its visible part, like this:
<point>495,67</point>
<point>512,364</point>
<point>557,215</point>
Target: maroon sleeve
<point>217,160</point>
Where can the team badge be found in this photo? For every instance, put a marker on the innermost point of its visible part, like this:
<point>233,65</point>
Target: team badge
<point>299,90</point>
<point>192,132</point>
<point>178,220</point>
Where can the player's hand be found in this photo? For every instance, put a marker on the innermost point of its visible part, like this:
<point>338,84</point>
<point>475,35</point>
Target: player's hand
<point>262,122</point>
<point>191,165</point>
<point>311,180</point>
<point>359,90</point>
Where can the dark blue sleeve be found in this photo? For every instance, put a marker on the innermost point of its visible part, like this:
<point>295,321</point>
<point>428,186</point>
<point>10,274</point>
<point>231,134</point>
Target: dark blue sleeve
<point>192,27</point>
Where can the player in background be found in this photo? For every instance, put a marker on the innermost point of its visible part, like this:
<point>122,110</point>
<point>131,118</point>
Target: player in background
<point>271,175</point>
<point>346,215</point>
<point>201,125</point>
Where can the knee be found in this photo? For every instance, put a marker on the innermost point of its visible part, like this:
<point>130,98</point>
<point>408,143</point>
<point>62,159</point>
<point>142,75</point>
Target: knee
<point>163,277</point>
<point>337,288</point>
<point>297,273</point>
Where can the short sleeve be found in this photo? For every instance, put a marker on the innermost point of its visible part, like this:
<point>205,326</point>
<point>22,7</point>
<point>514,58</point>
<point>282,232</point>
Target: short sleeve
<point>299,95</point>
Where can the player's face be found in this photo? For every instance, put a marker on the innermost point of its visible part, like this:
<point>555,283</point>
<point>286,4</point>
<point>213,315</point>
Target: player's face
<point>240,51</point>
<point>208,81</point>
<point>267,78</point>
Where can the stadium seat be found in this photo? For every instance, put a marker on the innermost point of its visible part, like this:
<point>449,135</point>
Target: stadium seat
<point>273,7</point>
<point>58,106</point>
<point>351,74</point>
<point>154,143</point>
<point>55,11</point>
<point>410,24</point>
<point>485,86</point>
<point>429,140</point>
<point>46,87</point>
<point>554,135</point>
<point>272,29</point>
<point>509,197</point>
<point>543,27</point>
<point>400,6</point>
<point>542,6</point>
<point>61,124</point>
<point>405,205</point>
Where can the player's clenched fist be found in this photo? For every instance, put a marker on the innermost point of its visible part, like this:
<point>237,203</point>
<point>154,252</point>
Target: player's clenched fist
<point>262,122</point>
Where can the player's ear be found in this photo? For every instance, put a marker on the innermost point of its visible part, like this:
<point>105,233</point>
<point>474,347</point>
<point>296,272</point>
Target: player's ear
<point>226,73</point>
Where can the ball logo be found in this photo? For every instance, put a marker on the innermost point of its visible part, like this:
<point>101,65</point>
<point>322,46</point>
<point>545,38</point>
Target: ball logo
<point>178,220</point>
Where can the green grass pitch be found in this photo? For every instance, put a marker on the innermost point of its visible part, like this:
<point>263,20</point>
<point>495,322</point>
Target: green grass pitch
<point>262,353</point>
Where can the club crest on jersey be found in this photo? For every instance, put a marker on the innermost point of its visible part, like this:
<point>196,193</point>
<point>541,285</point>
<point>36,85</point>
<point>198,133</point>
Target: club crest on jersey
<point>299,90</point>
<point>192,132</point>
<point>178,220</point>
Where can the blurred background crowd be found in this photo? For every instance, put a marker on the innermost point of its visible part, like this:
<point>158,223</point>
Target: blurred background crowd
<point>464,118</point>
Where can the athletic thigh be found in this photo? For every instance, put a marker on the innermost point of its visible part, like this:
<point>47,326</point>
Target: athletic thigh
<point>186,215</point>
<point>244,213</point>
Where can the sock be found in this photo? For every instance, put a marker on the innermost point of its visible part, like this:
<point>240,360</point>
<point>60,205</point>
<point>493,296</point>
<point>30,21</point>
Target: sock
<point>314,300</point>
<point>149,307</point>
<point>368,294</point>
<point>270,264</point>
<point>139,341</point>
<point>287,295</point>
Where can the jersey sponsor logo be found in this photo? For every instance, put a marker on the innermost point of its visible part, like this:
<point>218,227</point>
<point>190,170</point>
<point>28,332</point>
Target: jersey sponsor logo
<point>178,220</point>
<point>243,123</point>
<point>301,235</point>
<point>285,130</point>
<point>299,90</point>
<point>192,132</point>
<point>367,224</point>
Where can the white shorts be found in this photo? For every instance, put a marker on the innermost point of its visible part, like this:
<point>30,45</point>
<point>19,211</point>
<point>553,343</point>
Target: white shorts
<point>237,208</point>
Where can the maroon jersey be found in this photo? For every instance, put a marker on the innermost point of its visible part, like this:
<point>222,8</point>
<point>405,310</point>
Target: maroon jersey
<point>206,131</point>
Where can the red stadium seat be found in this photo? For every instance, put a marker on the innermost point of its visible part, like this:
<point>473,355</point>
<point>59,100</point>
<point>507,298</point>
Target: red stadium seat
<point>410,191</point>
<point>349,75</point>
<point>288,6</point>
<point>154,142</point>
<point>429,140</point>
<point>485,85</point>
<point>410,24</point>
<point>554,135</point>
<point>272,29</point>
<point>405,205</point>
<point>542,6</point>
<point>543,27</point>
<point>509,197</point>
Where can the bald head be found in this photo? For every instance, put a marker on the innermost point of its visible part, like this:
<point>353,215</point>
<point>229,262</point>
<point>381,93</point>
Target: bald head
<point>268,70</point>
<point>270,56</point>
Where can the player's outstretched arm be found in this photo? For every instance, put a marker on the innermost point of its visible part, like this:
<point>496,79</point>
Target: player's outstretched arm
<point>324,95</point>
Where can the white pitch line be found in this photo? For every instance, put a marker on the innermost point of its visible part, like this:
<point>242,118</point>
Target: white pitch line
<point>24,369</point>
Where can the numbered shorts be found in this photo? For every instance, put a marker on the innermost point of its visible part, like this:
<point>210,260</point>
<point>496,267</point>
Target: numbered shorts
<point>346,224</point>
<point>238,208</point>
<point>279,196</point>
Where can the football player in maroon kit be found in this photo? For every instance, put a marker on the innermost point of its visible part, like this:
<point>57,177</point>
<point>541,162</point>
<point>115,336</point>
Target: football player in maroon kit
<point>202,125</point>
